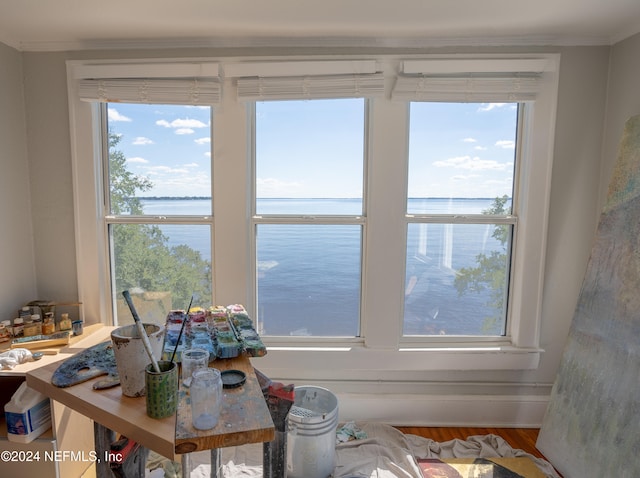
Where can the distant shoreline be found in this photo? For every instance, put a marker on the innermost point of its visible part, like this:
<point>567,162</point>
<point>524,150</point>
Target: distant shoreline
<point>202,198</point>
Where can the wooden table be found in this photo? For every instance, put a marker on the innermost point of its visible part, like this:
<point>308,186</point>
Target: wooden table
<point>245,417</point>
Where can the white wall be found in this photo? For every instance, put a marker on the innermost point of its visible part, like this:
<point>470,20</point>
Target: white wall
<point>17,269</point>
<point>495,398</point>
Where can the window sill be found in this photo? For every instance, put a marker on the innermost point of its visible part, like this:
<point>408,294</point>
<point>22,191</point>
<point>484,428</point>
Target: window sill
<point>291,360</point>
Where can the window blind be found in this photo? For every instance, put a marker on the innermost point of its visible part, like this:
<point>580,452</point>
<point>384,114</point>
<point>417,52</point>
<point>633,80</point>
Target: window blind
<point>195,91</point>
<point>290,80</point>
<point>470,80</point>
<point>310,87</point>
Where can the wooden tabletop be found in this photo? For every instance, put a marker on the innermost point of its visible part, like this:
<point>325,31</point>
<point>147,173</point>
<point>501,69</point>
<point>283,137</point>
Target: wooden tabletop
<point>245,416</point>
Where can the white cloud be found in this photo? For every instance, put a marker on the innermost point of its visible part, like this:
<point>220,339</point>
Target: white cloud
<point>184,131</point>
<point>480,148</point>
<point>156,170</point>
<point>191,165</point>
<point>115,116</point>
<point>491,106</point>
<point>469,140</point>
<point>205,140</point>
<point>469,163</point>
<point>141,141</point>
<point>137,160</point>
<point>182,123</point>
<point>506,144</point>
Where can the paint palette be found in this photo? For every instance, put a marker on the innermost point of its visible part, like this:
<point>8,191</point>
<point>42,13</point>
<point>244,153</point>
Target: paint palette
<point>225,332</point>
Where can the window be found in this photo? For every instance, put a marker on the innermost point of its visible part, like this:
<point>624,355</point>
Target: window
<point>309,163</point>
<point>159,203</point>
<point>462,164</point>
<point>333,206</point>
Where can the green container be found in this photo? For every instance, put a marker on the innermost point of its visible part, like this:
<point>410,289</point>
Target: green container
<point>162,389</point>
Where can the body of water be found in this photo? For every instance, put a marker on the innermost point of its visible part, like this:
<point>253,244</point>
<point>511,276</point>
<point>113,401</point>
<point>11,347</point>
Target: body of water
<point>309,275</point>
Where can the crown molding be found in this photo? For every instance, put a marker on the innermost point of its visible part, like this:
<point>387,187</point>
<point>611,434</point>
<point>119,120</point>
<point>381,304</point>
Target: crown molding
<point>314,42</point>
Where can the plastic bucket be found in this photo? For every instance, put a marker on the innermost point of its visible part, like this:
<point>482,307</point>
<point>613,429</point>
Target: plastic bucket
<point>311,433</point>
<point>28,415</point>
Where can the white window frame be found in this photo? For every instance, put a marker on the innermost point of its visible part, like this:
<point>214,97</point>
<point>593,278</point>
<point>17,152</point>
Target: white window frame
<point>381,351</point>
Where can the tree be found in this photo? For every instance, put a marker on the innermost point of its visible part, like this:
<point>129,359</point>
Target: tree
<point>491,271</point>
<point>143,259</point>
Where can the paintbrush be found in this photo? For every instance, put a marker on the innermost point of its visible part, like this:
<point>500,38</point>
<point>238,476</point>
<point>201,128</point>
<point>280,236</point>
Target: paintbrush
<point>181,329</point>
<point>141,332</point>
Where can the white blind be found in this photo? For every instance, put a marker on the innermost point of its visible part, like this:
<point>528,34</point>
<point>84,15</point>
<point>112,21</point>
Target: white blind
<point>310,87</point>
<point>196,91</point>
<point>470,80</point>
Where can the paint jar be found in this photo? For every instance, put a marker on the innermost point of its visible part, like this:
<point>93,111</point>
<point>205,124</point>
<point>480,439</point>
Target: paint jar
<point>192,360</point>
<point>162,389</point>
<point>65,322</point>
<point>206,398</point>
<point>77,327</point>
<point>8,327</point>
<point>33,326</point>
<point>48,324</point>
<point>4,333</point>
<point>18,327</point>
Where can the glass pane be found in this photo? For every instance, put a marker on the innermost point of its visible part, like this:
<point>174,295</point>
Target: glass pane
<point>162,266</point>
<point>456,279</point>
<point>460,150</point>
<point>158,151</point>
<point>310,149</point>
<point>309,279</point>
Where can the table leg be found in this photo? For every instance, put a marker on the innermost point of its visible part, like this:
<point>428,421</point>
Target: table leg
<point>216,463</point>
<point>103,438</point>
<point>186,465</point>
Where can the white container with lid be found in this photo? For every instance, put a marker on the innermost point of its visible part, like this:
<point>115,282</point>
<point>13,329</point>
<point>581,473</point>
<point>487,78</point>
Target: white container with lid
<point>28,415</point>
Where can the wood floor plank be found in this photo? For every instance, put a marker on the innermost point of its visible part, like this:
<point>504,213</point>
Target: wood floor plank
<point>520,438</point>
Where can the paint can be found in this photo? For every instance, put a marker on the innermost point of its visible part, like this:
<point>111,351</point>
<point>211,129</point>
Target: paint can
<point>131,355</point>
<point>311,433</point>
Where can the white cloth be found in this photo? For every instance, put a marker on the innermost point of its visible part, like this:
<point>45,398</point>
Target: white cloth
<point>13,357</point>
<point>385,453</point>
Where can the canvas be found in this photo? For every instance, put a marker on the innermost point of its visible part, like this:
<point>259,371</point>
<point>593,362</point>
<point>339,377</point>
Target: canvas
<point>592,424</point>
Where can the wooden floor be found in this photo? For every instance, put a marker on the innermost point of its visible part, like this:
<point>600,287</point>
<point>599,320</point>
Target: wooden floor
<point>520,438</point>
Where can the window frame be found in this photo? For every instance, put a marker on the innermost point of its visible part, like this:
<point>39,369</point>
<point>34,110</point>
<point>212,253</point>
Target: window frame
<point>380,350</point>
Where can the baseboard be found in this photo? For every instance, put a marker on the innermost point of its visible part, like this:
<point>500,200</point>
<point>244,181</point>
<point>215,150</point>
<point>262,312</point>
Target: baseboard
<point>444,410</point>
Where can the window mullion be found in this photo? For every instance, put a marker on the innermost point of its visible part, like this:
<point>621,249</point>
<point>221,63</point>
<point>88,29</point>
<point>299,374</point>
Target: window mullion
<point>384,245</point>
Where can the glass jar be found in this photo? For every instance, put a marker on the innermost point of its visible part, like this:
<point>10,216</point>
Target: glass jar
<point>33,326</point>
<point>4,333</point>
<point>48,324</point>
<point>18,327</point>
<point>65,322</point>
<point>206,398</point>
<point>8,327</point>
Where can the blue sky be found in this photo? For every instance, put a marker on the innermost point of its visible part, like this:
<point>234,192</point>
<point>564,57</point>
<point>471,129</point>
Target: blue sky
<point>307,149</point>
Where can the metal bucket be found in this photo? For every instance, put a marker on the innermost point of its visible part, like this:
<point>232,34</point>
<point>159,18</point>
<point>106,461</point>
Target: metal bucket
<point>311,435</point>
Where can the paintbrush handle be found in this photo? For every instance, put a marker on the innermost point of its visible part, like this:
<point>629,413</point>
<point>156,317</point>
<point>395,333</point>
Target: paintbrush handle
<point>141,332</point>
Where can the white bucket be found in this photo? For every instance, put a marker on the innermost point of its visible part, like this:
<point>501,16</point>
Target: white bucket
<point>28,415</point>
<point>311,435</point>
<point>132,358</point>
